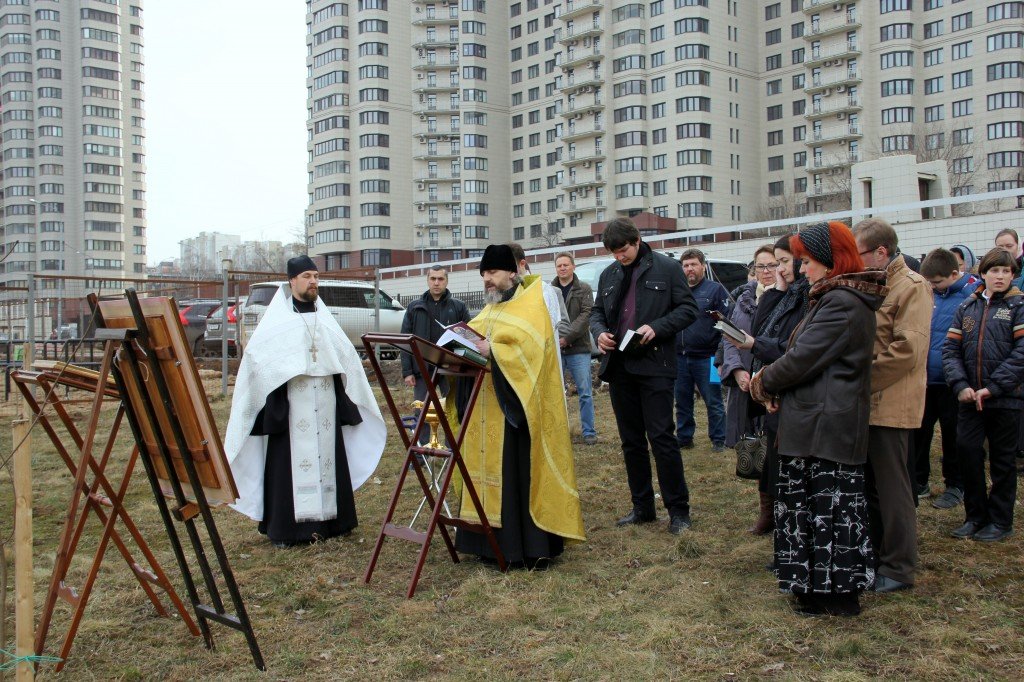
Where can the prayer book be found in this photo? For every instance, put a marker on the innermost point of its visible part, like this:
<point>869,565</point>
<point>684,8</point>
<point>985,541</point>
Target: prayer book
<point>459,335</point>
<point>731,330</point>
<point>471,355</point>
<point>631,340</point>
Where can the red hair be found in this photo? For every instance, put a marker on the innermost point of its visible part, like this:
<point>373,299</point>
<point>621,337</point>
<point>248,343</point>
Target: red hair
<point>845,256</point>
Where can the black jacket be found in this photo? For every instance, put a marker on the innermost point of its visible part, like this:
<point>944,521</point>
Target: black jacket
<point>701,339</point>
<point>578,302</point>
<point>771,342</point>
<point>824,377</point>
<point>420,319</point>
<point>985,347</point>
<point>663,301</point>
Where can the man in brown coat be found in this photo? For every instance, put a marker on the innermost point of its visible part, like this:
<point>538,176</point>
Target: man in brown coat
<point>898,379</point>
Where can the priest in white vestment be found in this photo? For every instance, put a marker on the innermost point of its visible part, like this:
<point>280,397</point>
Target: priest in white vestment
<point>305,430</point>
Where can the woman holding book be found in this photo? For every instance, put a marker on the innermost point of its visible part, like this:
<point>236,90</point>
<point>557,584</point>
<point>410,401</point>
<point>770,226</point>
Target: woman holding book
<point>821,389</point>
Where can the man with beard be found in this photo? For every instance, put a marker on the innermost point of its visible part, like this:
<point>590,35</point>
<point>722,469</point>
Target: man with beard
<point>305,429</point>
<point>517,448</point>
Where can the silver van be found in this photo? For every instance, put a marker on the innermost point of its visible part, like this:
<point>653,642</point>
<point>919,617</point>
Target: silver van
<point>350,301</point>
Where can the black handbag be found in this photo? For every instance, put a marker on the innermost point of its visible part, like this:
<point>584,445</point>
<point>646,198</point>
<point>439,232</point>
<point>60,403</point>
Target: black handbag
<point>751,451</point>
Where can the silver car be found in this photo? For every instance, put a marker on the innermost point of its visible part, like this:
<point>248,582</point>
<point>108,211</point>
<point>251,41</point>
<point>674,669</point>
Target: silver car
<point>351,303</point>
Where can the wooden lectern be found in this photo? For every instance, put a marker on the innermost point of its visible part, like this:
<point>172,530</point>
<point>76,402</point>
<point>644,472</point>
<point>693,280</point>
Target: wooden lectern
<point>433,363</point>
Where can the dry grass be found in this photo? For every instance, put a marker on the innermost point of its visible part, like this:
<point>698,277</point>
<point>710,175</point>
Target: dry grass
<point>628,604</point>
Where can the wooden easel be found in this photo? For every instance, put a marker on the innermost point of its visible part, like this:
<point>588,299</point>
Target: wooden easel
<point>178,444</point>
<point>433,362</point>
<point>92,493</point>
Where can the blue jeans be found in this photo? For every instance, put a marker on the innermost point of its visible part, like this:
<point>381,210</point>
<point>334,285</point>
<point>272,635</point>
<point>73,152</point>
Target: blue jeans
<point>578,366</point>
<point>696,373</point>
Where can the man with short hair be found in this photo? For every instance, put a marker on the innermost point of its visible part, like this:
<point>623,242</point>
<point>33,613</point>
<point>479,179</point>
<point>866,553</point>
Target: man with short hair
<point>898,379</point>
<point>575,345</point>
<point>643,292</point>
<point>305,429</point>
<point>424,317</point>
<point>516,448</point>
<point>695,346</point>
<point>950,288</point>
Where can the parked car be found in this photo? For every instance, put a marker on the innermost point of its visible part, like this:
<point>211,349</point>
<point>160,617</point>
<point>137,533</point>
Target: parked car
<point>193,315</point>
<point>213,339</point>
<point>351,303</point>
<point>729,272</point>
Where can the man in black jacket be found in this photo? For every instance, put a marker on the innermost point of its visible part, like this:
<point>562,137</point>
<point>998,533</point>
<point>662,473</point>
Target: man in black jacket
<point>421,318</point>
<point>644,292</point>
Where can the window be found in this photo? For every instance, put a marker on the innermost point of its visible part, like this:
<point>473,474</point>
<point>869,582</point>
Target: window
<point>1005,41</point>
<point>374,140</point>
<point>963,165</point>
<point>630,113</point>
<point>796,30</point>
<point>695,209</point>
<point>633,87</point>
<point>628,63</point>
<point>692,25</point>
<point>773,37</point>
<point>900,86</point>
<point>1005,10</point>
<point>692,78</point>
<point>890,60</point>
<point>934,113</point>
<point>632,138</point>
<point>773,87</point>
<point>963,136</point>
<point>373,95</point>
<point>897,143</point>
<point>1006,100</point>
<point>962,21</point>
<point>933,29</point>
<point>897,32</point>
<point>631,189</point>
<point>688,130</point>
<point>898,115</point>
<point>799,107</point>
<point>963,50</point>
<point>373,26</point>
<point>773,62</point>
<point>886,6</point>
<point>692,51</point>
<point>693,183</point>
<point>999,131</point>
<point>684,104</point>
<point>372,71</point>
<point>774,113</point>
<point>933,85</point>
<point>776,163</point>
<point>1011,159</point>
<point>962,79</point>
<point>774,138</point>
<point>1003,70</point>
<point>933,57</point>
<point>689,157</point>
<point>797,56</point>
<point>634,36</point>
<point>773,11</point>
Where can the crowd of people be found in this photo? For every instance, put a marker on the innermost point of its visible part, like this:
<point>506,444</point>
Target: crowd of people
<point>845,355</point>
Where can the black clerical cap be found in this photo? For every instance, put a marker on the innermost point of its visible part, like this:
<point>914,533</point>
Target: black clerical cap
<point>498,257</point>
<point>299,264</point>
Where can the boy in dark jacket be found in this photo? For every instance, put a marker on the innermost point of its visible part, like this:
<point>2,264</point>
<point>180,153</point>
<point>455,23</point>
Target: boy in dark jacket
<point>950,288</point>
<point>983,360</point>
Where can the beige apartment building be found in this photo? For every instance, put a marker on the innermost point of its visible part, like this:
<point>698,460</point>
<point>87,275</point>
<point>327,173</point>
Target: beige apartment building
<point>73,139</point>
<point>439,126</point>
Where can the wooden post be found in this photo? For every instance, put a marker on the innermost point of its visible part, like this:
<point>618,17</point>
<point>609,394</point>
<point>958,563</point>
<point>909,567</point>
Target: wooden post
<point>24,617</point>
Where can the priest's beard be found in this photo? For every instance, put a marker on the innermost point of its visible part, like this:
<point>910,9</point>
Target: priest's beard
<point>496,295</point>
<point>307,296</point>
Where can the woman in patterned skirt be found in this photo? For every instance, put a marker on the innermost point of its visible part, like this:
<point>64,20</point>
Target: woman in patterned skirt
<point>821,388</point>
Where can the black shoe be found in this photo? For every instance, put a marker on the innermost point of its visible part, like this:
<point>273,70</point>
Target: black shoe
<point>686,445</point>
<point>635,517</point>
<point>967,530</point>
<point>808,605</point>
<point>993,533</point>
<point>953,497</point>
<point>677,524</point>
<point>718,447</point>
<point>923,492</point>
<point>886,584</point>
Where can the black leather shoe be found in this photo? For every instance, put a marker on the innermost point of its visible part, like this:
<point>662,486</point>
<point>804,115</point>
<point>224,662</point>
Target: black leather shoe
<point>993,533</point>
<point>677,524</point>
<point>967,530</point>
<point>685,445</point>
<point>636,517</point>
<point>885,584</point>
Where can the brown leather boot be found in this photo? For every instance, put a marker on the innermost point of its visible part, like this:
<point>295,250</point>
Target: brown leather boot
<point>766,520</point>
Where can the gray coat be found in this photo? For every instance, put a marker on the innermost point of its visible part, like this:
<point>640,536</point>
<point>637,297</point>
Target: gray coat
<point>578,302</point>
<point>824,378</point>
<point>736,412</point>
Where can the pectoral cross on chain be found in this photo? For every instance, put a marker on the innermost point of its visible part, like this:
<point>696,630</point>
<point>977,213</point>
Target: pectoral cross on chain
<point>312,351</point>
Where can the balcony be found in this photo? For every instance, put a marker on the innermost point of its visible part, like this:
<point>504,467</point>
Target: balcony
<point>436,132</point>
<point>821,55</point>
<point>833,80</point>
<point>437,43</point>
<point>433,17</point>
<point>575,108</point>
<point>577,8</point>
<point>430,62</point>
<point>580,132</point>
<point>575,33</point>
<point>436,199</point>
<point>826,162</point>
<point>573,183</point>
<point>443,108</point>
<point>821,189</point>
<point>583,205</point>
<point>819,29</point>
<point>833,106</point>
<point>850,132</point>
<point>582,82</point>
<point>437,87</point>
<point>437,154</point>
<point>437,176</point>
<point>583,157</point>
<point>812,6</point>
<point>436,221</point>
<point>574,58</point>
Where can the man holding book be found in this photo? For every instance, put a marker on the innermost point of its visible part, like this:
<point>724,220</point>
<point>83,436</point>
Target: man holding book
<point>645,293</point>
<point>516,448</point>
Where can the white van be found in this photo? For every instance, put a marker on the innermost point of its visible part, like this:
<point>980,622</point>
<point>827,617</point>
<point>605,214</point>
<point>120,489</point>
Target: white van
<point>351,303</point>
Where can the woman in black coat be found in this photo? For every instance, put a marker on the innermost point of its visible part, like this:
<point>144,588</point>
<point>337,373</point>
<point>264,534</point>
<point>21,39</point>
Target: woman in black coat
<point>821,388</point>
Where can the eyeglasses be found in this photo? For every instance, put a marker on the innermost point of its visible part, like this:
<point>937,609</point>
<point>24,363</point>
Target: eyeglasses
<point>864,253</point>
<point>763,268</point>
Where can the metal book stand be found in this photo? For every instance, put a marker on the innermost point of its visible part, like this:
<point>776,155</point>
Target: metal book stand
<point>433,362</point>
<point>178,443</point>
<point>96,492</point>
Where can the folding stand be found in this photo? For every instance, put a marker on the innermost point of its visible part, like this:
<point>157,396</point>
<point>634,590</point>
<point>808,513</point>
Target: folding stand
<point>444,363</point>
<point>171,437</point>
<point>97,495</point>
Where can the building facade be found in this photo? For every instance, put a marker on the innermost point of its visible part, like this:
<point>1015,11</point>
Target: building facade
<point>73,147</point>
<point>439,126</point>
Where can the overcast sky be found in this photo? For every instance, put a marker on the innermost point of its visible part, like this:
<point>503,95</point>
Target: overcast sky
<point>225,120</point>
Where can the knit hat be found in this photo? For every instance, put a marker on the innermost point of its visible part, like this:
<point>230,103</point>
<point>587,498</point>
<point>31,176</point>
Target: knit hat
<point>818,242</point>
<point>965,252</point>
<point>299,265</point>
<point>498,257</point>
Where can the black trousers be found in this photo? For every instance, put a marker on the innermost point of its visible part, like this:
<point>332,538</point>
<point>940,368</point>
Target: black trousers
<point>1000,427</point>
<point>940,406</point>
<point>643,412</point>
<point>890,496</point>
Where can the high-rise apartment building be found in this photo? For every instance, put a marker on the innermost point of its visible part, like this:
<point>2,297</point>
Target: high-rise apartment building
<point>438,126</point>
<point>73,148</point>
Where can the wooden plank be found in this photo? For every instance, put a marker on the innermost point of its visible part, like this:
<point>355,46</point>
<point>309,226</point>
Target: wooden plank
<point>24,616</point>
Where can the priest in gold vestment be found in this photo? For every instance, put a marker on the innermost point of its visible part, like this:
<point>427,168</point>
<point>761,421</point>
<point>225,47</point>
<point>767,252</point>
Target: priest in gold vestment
<point>517,447</point>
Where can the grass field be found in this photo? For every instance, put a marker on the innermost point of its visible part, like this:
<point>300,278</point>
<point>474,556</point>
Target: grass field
<point>633,603</point>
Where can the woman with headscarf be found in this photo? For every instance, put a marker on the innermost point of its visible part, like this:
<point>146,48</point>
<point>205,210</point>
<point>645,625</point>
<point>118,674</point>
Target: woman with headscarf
<point>821,388</point>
